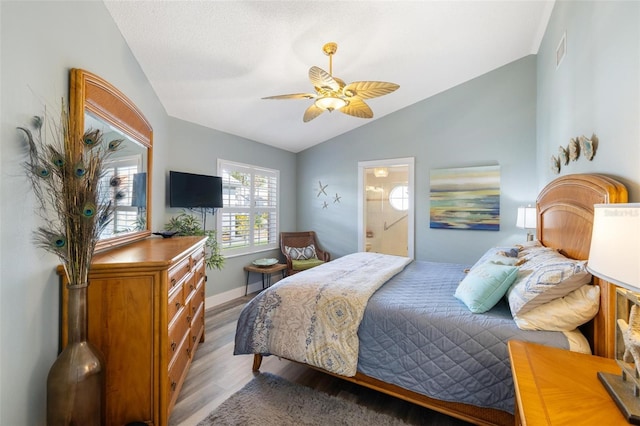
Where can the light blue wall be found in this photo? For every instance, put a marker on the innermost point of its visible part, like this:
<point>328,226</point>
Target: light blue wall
<point>596,89</point>
<point>486,121</point>
<point>196,149</point>
<point>40,43</point>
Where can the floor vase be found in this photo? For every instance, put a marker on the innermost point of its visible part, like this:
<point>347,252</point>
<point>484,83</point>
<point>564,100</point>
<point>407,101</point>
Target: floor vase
<point>75,384</point>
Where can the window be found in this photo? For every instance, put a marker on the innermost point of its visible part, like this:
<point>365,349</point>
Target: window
<point>118,187</point>
<point>399,197</point>
<point>248,222</point>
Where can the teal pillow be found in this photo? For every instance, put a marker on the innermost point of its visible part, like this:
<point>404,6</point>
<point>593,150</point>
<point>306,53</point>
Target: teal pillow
<point>484,285</point>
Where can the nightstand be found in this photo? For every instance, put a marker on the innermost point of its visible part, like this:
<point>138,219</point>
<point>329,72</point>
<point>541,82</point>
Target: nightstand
<point>558,387</point>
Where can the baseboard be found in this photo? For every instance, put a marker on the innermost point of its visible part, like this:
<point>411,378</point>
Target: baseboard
<point>227,296</point>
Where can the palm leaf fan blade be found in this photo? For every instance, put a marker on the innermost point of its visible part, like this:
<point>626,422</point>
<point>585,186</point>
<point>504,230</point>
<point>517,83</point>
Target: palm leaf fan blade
<point>369,89</point>
<point>312,112</point>
<point>357,108</point>
<point>293,96</point>
<point>322,79</point>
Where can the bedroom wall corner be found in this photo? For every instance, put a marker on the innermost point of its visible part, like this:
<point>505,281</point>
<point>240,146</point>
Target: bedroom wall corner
<point>595,89</point>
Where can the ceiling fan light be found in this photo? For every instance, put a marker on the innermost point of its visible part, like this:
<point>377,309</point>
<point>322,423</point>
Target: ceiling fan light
<point>330,103</point>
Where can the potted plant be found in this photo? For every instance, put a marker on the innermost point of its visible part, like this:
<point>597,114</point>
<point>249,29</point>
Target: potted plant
<point>68,181</point>
<point>186,224</point>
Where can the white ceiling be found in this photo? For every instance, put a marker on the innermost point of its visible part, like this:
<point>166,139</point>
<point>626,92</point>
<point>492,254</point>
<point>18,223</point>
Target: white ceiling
<point>211,62</point>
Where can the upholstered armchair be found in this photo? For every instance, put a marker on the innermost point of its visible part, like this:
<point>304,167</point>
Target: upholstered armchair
<point>302,251</point>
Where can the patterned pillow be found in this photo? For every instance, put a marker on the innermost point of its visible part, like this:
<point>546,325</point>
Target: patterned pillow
<point>301,253</point>
<point>544,276</point>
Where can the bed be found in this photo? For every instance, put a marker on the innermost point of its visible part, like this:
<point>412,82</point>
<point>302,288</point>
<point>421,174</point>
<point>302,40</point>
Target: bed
<point>413,338</point>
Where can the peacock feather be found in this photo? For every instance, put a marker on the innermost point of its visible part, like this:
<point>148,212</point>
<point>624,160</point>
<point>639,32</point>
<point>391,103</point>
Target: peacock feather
<point>66,177</point>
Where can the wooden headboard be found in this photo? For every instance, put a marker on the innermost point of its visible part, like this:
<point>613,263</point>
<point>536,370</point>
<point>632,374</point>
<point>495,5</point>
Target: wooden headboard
<point>565,219</point>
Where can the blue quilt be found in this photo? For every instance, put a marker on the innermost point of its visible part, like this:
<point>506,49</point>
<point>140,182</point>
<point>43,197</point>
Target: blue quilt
<point>417,335</point>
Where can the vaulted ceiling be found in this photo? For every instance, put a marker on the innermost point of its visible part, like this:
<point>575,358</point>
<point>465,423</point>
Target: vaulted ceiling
<point>211,62</point>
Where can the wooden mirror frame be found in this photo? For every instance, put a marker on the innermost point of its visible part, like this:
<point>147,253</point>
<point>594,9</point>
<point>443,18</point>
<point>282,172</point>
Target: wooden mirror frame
<point>91,93</point>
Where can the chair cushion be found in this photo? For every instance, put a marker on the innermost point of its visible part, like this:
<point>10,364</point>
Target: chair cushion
<point>301,253</point>
<point>301,265</point>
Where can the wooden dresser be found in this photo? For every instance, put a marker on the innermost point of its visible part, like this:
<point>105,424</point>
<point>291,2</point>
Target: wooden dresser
<point>146,315</point>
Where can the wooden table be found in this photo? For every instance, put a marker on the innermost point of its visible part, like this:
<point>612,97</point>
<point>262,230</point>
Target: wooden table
<point>558,387</point>
<point>266,272</point>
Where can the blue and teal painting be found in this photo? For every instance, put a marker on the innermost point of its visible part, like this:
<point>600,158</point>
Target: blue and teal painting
<point>465,198</point>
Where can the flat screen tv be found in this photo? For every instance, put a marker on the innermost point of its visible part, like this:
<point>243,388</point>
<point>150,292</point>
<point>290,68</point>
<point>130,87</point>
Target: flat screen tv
<point>194,191</point>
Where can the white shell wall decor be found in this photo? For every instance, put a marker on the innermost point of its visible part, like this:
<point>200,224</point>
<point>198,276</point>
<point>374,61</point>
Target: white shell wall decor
<point>580,145</point>
<point>555,164</point>
<point>563,155</point>
<point>588,146</point>
<point>574,149</point>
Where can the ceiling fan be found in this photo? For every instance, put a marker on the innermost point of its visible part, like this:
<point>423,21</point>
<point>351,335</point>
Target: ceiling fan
<point>333,94</point>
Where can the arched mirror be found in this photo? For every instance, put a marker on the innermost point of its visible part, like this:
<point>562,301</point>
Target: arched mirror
<point>96,104</point>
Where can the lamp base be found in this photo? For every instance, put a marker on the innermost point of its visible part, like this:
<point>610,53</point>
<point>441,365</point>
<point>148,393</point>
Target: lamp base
<point>621,392</point>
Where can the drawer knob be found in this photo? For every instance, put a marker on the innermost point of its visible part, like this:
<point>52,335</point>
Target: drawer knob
<point>173,386</point>
<point>188,318</point>
<point>194,338</point>
<point>173,346</point>
<point>189,351</point>
<point>177,305</point>
<point>173,282</point>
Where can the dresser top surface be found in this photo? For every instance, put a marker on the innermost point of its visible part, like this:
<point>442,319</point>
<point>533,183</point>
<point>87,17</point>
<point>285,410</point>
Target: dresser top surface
<point>151,251</point>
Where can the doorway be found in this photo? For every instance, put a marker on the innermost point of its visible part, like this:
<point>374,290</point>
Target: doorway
<point>386,206</point>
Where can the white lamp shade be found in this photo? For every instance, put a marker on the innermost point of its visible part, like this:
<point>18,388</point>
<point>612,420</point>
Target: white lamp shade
<point>615,244</point>
<point>526,218</point>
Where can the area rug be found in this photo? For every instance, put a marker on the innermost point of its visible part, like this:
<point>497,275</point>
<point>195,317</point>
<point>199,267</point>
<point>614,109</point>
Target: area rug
<point>272,400</point>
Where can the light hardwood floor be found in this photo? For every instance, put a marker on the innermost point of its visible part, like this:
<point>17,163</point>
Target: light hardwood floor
<point>216,374</point>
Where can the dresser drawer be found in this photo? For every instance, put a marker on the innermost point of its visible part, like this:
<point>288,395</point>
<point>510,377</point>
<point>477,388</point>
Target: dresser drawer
<point>200,273</point>
<point>178,329</point>
<point>178,371</point>
<point>197,256</point>
<point>197,301</point>
<point>176,301</point>
<point>189,286</point>
<point>178,273</point>
<point>197,329</point>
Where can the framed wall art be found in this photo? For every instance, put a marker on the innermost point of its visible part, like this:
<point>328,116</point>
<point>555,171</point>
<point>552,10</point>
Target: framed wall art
<point>465,198</point>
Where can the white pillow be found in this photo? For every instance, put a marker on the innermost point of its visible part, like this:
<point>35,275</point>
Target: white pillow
<point>564,314</point>
<point>543,276</point>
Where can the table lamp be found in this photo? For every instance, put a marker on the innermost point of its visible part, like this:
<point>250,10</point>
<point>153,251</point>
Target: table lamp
<point>527,220</point>
<point>615,257</point>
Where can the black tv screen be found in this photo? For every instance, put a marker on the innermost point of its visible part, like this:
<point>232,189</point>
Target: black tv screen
<point>192,190</point>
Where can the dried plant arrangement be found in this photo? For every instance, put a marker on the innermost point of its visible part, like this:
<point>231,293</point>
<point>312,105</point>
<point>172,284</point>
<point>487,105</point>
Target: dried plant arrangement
<point>67,177</point>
